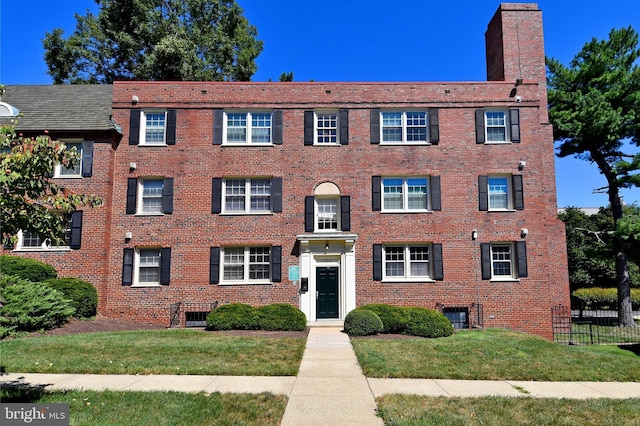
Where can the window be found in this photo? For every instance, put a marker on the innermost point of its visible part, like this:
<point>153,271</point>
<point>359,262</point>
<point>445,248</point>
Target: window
<point>327,211</point>
<point>72,236</point>
<point>458,316</point>
<point>406,194</point>
<point>501,193</point>
<point>84,164</point>
<point>247,195</point>
<point>248,127</point>
<point>504,260</point>
<point>246,264</point>
<point>152,127</point>
<point>146,266</point>
<point>408,262</point>
<point>326,127</point>
<point>150,196</point>
<point>404,127</point>
<point>498,126</point>
<point>327,214</point>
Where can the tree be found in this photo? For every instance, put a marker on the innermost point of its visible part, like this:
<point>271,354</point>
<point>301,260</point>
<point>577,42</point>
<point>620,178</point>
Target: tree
<point>29,200</point>
<point>594,106</point>
<point>186,40</point>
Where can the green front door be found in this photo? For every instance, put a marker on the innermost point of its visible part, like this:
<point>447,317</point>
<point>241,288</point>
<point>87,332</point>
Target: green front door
<point>327,292</point>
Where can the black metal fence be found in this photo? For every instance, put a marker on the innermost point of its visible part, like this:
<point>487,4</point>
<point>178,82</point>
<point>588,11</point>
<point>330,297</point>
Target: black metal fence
<point>190,314</point>
<point>591,327</point>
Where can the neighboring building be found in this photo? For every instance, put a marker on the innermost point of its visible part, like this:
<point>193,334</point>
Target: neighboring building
<point>329,196</point>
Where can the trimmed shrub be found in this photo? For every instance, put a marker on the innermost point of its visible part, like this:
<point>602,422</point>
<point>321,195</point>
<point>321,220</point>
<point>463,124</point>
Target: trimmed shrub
<point>394,318</point>
<point>361,322</point>
<point>29,306</point>
<point>425,322</point>
<point>82,294</point>
<point>595,297</point>
<point>281,316</point>
<point>234,316</point>
<point>26,268</point>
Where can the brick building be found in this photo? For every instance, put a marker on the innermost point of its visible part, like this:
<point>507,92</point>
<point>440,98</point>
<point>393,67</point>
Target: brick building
<point>329,196</point>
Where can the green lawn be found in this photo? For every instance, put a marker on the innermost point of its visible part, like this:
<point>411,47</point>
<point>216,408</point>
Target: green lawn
<point>495,355</point>
<point>494,411</point>
<point>154,352</point>
<point>89,408</point>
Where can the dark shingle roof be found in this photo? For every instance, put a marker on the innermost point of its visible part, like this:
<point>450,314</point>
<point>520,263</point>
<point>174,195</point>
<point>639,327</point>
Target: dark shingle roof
<point>76,107</point>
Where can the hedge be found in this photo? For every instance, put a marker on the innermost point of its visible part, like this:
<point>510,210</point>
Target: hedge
<point>25,268</point>
<point>394,318</point>
<point>596,297</point>
<point>240,316</point>
<point>428,323</point>
<point>361,322</point>
<point>82,294</point>
<point>281,316</point>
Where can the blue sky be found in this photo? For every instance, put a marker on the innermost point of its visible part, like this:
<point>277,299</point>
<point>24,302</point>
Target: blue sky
<point>358,40</point>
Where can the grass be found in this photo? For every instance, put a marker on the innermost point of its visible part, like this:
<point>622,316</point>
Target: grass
<point>499,411</point>
<point>154,352</point>
<point>495,355</point>
<point>89,408</point>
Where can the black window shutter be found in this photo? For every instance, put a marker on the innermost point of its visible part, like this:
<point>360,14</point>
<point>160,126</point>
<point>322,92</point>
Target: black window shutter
<point>518,192</point>
<point>127,266</point>
<point>374,126</point>
<point>345,213</point>
<point>483,194</point>
<point>521,255</point>
<point>485,256</point>
<point>436,195</point>
<point>277,127</point>
<point>276,264</point>
<point>132,189</point>
<point>308,127</point>
<point>134,127</point>
<point>376,193</point>
<point>344,127</point>
<point>308,213</point>
<point>276,195</point>
<point>165,265</point>
<point>216,195</point>
<point>479,126</point>
<point>87,158</point>
<point>214,265</point>
<point>76,230</point>
<point>377,262</point>
<point>514,121</point>
<point>167,196</point>
<point>438,270</point>
<point>434,126</point>
<point>171,127</point>
<point>218,121</point>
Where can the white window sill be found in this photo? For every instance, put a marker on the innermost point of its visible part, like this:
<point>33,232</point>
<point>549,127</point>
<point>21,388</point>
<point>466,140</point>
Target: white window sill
<point>256,282</point>
<point>498,143</point>
<point>501,210</point>
<point>416,280</point>
<point>406,211</point>
<point>149,214</point>
<point>29,249</point>
<point>504,280</point>
<point>263,144</point>
<point>146,285</point>
<point>327,144</point>
<point>404,143</point>
<point>67,177</point>
<point>260,213</point>
<point>152,145</point>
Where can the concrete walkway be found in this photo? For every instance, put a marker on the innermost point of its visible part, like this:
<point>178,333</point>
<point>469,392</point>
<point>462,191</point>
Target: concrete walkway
<point>330,387</point>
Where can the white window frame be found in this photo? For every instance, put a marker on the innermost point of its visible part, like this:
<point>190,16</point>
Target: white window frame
<point>60,170</point>
<point>258,253</point>
<point>141,196</point>
<point>405,194</point>
<point>138,267</point>
<point>407,262</point>
<point>249,186</point>
<point>490,124</point>
<point>249,128</point>
<point>511,261</point>
<point>45,245</point>
<point>509,193</point>
<point>143,128</point>
<point>320,216</point>
<point>327,125</point>
<point>404,126</point>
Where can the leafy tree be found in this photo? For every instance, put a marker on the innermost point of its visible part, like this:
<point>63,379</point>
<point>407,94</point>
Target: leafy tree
<point>185,40</point>
<point>29,199</point>
<point>286,76</point>
<point>594,106</point>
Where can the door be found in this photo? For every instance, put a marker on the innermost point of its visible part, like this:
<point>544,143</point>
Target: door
<point>327,292</point>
